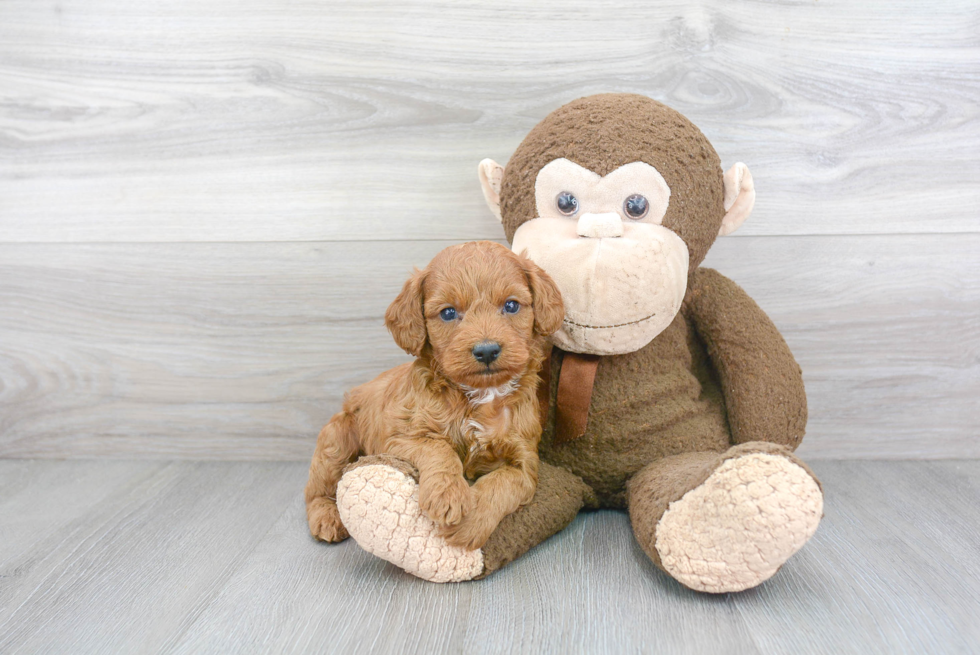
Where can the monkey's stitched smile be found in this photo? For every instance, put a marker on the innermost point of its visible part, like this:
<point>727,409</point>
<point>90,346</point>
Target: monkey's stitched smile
<point>601,327</point>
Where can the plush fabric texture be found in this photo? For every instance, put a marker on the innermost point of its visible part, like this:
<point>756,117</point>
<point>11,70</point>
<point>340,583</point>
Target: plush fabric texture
<point>723,522</point>
<point>378,500</point>
<point>661,485</point>
<point>659,401</point>
<point>615,129</point>
<point>736,529</point>
<point>760,379</point>
<point>558,499</point>
<point>659,427</point>
<point>676,395</point>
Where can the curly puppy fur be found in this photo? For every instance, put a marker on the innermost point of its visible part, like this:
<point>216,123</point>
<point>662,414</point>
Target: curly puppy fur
<point>450,414</point>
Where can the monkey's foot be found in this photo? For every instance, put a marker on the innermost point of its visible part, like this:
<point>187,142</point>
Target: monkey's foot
<point>735,530</point>
<point>378,499</point>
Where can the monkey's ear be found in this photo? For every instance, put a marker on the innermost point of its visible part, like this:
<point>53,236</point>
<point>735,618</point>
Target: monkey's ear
<point>405,318</point>
<point>491,175</point>
<point>549,310</point>
<point>739,198</point>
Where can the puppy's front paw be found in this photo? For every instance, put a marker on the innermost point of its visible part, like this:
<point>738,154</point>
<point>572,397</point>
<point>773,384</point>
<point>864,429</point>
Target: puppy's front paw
<point>470,533</point>
<point>325,523</point>
<point>445,499</point>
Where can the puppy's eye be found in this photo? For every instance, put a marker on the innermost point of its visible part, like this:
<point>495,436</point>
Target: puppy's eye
<point>448,314</point>
<point>636,206</point>
<point>567,203</point>
<point>512,307</point>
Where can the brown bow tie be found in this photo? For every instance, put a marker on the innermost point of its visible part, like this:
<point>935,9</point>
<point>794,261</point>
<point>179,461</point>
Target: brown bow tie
<point>575,381</point>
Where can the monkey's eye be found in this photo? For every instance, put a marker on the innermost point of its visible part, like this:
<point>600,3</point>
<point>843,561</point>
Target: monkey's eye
<point>636,206</point>
<point>448,314</point>
<point>512,307</point>
<point>567,203</point>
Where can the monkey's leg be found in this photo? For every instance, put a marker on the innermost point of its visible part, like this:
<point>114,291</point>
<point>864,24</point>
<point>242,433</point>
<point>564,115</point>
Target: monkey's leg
<point>378,502</point>
<point>557,500</point>
<point>721,522</point>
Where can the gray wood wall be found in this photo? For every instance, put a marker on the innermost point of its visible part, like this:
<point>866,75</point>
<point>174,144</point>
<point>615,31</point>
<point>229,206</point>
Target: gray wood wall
<point>205,207</point>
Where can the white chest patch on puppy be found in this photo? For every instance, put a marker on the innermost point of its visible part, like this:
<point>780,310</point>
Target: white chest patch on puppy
<point>478,433</point>
<point>484,396</point>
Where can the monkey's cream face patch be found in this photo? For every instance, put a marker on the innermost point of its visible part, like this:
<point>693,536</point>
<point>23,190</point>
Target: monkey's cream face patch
<point>622,279</point>
<point>619,293</point>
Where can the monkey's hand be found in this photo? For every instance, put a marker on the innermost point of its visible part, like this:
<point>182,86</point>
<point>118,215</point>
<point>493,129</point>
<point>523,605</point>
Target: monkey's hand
<point>378,502</point>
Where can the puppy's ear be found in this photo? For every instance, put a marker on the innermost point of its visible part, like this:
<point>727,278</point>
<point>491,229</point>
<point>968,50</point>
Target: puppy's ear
<point>549,311</point>
<point>405,318</point>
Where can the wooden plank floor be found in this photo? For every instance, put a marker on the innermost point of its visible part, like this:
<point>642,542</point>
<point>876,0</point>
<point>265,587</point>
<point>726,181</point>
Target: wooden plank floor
<point>214,557</point>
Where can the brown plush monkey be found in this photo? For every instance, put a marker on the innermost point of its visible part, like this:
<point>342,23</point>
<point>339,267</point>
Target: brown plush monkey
<point>672,394</point>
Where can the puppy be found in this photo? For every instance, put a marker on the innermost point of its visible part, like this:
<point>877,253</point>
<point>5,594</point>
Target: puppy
<point>476,320</point>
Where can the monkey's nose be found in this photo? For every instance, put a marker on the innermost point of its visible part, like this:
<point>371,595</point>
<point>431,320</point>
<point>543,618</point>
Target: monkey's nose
<point>600,226</point>
<point>486,351</point>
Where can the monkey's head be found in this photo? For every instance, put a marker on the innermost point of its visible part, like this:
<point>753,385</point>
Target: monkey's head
<point>618,198</point>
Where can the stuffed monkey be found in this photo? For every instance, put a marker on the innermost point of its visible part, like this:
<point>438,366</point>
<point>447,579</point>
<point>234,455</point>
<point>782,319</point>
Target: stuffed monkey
<point>671,394</point>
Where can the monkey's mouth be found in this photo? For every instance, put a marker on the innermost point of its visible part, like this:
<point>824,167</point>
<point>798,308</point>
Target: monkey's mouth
<point>607,327</point>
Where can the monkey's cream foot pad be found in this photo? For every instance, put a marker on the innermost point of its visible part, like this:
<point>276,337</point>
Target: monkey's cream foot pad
<point>379,506</point>
<point>737,528</point>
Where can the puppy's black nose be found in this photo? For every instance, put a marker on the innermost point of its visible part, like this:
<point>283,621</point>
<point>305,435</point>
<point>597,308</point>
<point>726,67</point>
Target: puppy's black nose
<point>486,352</point>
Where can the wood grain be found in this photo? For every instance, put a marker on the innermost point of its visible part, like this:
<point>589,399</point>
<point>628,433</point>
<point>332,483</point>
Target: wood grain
<point>34,513</point>
<point>250,121</point>
<point>205,209</point>
<point>243,351</point>
<point>127,574</point>
<point>214,557</point>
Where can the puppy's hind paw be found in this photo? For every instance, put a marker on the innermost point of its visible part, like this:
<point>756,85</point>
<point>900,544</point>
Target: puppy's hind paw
<point>324,519</point>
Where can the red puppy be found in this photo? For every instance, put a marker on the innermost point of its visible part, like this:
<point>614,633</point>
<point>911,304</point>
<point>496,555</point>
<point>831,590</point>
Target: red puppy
<point>476,319</point>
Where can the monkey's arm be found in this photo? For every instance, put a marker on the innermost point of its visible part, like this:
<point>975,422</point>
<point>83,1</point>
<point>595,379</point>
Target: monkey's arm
<point>761,381</point>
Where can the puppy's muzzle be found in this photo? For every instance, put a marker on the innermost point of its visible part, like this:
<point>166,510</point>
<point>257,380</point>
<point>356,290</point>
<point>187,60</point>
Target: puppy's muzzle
<point>486,352</point>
